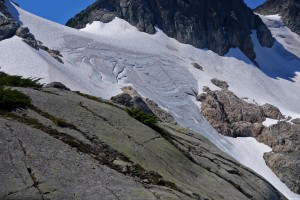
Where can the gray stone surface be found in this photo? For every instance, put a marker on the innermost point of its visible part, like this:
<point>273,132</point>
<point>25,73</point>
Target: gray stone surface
<point>8,27</point>
<point>174,163</point>
<point>57,85</point>
<point>217,25</point>
<point>37,166</point>
<point>135,102</point>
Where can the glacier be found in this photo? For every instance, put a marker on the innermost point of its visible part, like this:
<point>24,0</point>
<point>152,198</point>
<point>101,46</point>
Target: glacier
<point>102,58</point>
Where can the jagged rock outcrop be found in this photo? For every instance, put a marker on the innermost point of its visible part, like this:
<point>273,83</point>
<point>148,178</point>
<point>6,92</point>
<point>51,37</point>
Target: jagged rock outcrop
<point>296,121</point>
<point>284,160</point>
<point>217,25</point>
<point>23,32</point>
<point>152,107</point>
<point>57,85</point>
<point>288,9</point>
<point>232,116</point>
<point>69,145</point>
<point>135,102</point>
<point>8,26</point>
<point>221,84</point>
<point>272,112</point>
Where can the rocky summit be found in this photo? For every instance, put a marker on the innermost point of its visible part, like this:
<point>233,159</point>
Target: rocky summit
<point>289,10</point>
<point>217,25</point>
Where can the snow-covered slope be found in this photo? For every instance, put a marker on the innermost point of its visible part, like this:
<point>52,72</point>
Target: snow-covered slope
<point>103,58</point>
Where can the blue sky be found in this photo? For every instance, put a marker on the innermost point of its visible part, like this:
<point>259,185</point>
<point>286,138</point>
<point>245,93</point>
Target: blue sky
<point>55,10</point>
<point>62,10</point>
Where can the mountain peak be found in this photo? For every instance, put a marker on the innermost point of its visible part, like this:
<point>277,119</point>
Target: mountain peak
<point>215,25</point>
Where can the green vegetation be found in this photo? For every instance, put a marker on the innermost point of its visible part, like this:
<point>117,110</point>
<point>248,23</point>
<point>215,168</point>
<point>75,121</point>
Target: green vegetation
<point>18,81</point>
<point>11,99</point>
<point>141,116</point>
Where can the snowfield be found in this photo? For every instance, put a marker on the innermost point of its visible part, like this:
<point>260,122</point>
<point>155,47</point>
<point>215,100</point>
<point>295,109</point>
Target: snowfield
<point>102,58</point>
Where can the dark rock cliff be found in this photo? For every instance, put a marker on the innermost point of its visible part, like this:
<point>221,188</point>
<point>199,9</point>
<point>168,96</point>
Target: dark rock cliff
<point>288,9</point>
<point>217,25</point>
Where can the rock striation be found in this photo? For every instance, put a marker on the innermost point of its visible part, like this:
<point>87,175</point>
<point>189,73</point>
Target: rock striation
<point>69,145</point>
<point>289,10</point>
<point>217,25</point>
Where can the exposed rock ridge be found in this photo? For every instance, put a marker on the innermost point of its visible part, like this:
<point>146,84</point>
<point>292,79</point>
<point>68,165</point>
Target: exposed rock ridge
<point>289,10</point>
<point>98,143</point>
<point>217,25</point>
<point>234,117</point>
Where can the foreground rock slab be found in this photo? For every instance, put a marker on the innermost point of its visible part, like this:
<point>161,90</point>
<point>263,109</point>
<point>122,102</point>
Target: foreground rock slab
<point>69,145</point>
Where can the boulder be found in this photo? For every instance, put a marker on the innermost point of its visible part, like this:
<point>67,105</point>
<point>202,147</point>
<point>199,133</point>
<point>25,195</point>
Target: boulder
<point>57,85</point>
<point>272,112</point>
<point>8,27</point>
<point>221,84</point>
<point>296,121</point>
<point>136,102</point>
<point>197,66</point>
<point>123,99</point>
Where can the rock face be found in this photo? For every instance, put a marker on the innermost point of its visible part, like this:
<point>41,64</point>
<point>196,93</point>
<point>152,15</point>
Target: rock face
<point>288,9</point>
<point>69,145</point>
<point>231,116</point>
<point>284,160</point>
<point>216,25</point>
<point>272,112</point>
<point>8,26</point>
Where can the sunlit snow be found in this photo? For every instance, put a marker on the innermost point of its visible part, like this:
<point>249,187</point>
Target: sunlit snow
<point>103,58</point>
